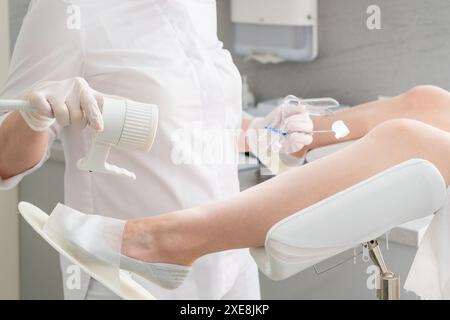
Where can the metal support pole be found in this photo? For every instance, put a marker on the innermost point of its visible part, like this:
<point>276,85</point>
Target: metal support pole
<point>389,282</point>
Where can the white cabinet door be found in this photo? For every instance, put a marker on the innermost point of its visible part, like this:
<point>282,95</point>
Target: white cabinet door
<point>9,221</point>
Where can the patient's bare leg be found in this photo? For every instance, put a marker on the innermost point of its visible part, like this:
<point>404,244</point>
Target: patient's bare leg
<point>428,104</point>
<point>243,220</point>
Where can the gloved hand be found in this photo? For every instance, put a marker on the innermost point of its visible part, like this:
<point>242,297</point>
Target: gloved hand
<point>288,117</point>
<point>68,102</point>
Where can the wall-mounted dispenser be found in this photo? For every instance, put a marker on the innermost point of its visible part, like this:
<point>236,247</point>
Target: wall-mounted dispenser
<point>273,31</point>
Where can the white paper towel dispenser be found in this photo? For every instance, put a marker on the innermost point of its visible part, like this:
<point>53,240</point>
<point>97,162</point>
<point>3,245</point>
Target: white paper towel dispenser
<point>273,31</point>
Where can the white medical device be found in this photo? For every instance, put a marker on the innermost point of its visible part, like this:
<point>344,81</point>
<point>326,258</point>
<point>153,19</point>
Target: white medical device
<point>127,124</point>
<point>273,31</point>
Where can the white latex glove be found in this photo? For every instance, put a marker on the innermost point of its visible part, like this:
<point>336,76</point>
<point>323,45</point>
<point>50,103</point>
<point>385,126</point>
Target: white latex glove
<point>286,117</point>
<point>68,102</point>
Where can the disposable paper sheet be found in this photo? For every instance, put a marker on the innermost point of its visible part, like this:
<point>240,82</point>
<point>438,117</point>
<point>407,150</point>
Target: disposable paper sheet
<point>429,276</point>
<point>97,236</point>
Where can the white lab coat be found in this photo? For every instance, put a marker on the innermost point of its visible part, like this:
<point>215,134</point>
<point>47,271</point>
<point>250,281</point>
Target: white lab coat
<point>155,51</point>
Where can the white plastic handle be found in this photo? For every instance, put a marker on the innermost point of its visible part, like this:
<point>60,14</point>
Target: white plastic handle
<point>15,105</point>
<point>95,161</point>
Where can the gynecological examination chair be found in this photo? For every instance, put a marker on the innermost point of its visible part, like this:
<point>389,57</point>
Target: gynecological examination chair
<point>356,216</point>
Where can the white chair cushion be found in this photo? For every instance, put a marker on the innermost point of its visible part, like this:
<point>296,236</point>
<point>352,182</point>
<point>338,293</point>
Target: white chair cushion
<point>411,190</point>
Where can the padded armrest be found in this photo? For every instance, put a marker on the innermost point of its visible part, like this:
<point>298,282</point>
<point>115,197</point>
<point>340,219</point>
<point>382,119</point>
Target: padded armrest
<point>411,190</point>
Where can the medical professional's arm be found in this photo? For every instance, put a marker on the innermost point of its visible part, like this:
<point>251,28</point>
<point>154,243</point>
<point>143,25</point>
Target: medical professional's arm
<point>21,147</point>
<point>24,134</point>
<point>46,68</point>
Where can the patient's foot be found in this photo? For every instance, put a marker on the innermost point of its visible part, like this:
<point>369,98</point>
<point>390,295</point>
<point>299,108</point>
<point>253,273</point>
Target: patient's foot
<point>156,249</point>
<point>158,240</point>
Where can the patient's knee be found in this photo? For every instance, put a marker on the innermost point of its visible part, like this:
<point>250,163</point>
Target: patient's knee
<point>398,129</point>
<point>427,98</point>
<point>406,139</point>
<point>403,134</point>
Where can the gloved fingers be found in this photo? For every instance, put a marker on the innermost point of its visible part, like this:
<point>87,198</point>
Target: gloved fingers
<point>289,110</point>
<point>76,114</point>
<point>99,97</point>
<point>40,104</point>
<point>273,119</point>
<point>91,109</point>
<point>282,112</point>
<point>257,124</point>
<point>296,142</point>
<point>60,111</point>
<point>300,122</point>
<point>70,101</point>
<point>277,118</point>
